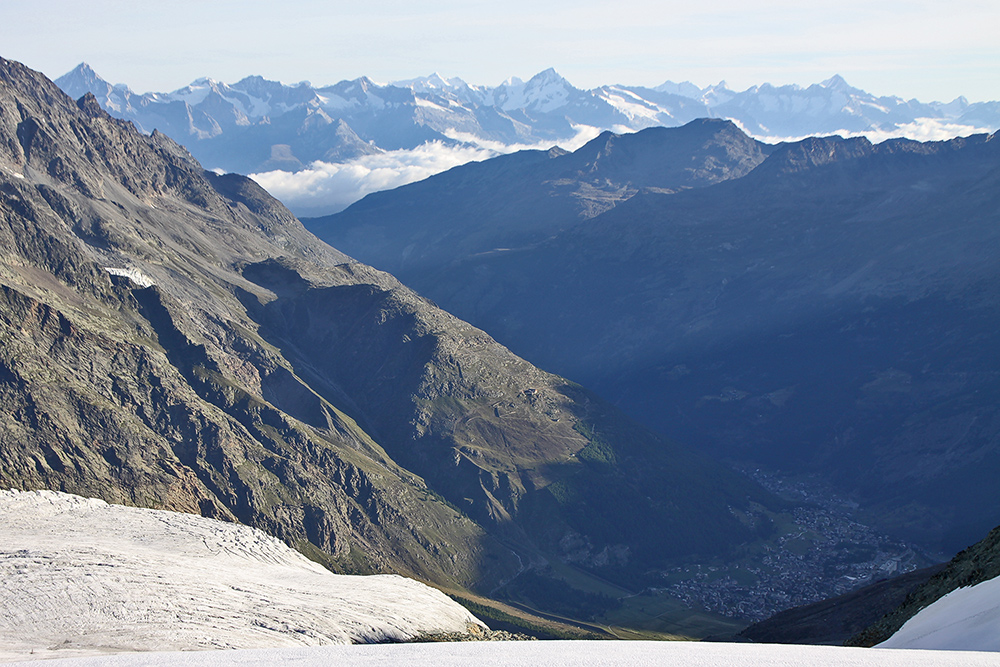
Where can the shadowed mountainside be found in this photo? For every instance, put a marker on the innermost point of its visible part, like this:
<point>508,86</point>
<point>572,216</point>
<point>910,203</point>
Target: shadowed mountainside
<point>836,620</point>
<point>825,307</point>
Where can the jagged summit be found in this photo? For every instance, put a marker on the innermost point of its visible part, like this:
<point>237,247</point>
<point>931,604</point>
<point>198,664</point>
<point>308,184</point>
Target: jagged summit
<point>836,82</point>
<point>83,71</point>
<point>83,79</point>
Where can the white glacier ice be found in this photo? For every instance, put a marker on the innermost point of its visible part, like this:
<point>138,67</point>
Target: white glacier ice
<point>81,577</point>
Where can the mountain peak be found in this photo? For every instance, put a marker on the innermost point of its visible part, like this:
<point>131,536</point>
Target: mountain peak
<point>836,82</point>
<point>548,75</point>
<point>684,89</point>
<point>84,70</point>
<point>81,80</point>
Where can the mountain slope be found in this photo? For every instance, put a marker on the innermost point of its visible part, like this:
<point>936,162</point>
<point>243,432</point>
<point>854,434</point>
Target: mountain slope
<point>836,620</point>
<point>132,373</point>
<point>515,201</point>
<point>978,564</point>
<point>176,339</point>
<point>831,311</point>
<point>966,619</point>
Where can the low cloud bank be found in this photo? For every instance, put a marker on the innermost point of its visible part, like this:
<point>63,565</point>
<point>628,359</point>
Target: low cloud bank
<point>922,129</point>
<point>327,187</point>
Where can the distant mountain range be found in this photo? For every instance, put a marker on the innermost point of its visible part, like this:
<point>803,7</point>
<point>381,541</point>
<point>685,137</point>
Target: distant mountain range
<point>256,125</point>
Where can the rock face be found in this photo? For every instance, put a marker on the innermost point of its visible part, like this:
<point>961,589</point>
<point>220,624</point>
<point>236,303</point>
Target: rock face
<point>175,339</point>
<point>84,577</point>
<point>827,306</point>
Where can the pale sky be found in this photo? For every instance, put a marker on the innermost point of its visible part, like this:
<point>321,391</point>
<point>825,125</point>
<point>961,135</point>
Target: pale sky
<point>924,49</point>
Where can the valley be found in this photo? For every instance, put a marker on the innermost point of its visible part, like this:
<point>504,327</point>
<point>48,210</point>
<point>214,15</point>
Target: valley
<point>176,339</point>
<point>819,550</point>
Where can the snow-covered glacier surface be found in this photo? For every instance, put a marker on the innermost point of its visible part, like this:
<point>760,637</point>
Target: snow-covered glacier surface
<point>552,654</point>
<point>81,577</point>
<point>966,619</point>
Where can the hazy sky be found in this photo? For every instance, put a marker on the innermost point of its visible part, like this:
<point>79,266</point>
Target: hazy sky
<point>927,49</point>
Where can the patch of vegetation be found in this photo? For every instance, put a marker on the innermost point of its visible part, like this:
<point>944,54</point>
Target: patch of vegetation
<point>663,617</point>
<point>597,451</point>
<point>354,563</point>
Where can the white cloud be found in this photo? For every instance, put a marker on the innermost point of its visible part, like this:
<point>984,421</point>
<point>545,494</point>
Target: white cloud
<point>327,187</point>
<point>922,129</point>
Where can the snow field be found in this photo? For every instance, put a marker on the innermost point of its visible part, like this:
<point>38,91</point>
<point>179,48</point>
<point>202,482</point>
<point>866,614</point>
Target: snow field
<point>81,577</point>
<point>552,654</point>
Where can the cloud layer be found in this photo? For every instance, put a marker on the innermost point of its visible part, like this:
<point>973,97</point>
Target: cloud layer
<point>922,129</point>
<point>326,187</point>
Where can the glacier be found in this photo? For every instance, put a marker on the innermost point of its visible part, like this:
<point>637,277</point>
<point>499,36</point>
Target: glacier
<point>82,577</point>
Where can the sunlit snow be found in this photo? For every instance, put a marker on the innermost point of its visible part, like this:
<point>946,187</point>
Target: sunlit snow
<point>135,275</point>
<point>555,654</point>
<point>81,577</point>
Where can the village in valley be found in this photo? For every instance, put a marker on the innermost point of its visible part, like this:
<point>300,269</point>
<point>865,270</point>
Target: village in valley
<point>819,550</point>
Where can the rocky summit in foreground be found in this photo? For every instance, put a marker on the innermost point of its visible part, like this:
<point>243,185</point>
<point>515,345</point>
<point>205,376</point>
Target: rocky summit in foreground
<point>175,339</point>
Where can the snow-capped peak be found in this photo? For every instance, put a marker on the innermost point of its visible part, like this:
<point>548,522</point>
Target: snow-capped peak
<point>545,92</point>
<point>720,93</point>
<point>81,80</point>
<point>434,84</point>
<point>84,71</point>
<point>837,83</point>
<point>684,89</point>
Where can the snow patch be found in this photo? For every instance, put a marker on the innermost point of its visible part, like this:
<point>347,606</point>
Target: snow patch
<point>135,275</point>
<point>427,104</point>
<point>967,619</point>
